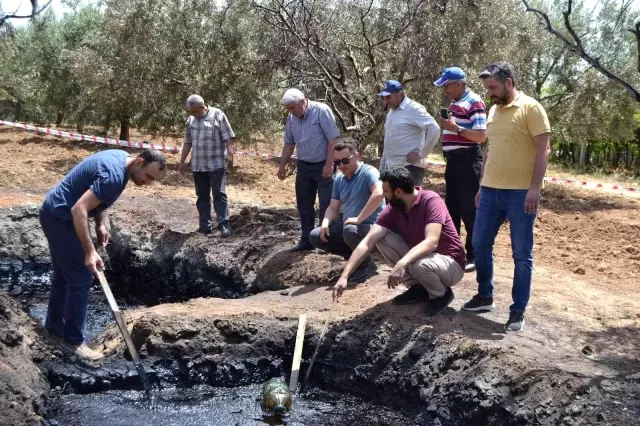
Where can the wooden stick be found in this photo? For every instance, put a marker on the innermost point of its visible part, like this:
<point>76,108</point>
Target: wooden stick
<point>297,353</point>
<point>315,353</point>
<point>123,329</point>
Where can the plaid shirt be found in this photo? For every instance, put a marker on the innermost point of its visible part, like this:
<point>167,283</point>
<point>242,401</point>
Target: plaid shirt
<point>207,136</point>
<point>312,133</point>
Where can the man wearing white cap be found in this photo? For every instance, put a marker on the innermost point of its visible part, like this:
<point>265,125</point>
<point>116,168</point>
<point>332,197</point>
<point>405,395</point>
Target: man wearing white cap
<point>410,132</point>
<point>463,132</point>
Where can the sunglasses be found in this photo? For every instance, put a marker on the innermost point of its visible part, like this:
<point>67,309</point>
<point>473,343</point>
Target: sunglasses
<point>343,161</point>
<point>493,67</point>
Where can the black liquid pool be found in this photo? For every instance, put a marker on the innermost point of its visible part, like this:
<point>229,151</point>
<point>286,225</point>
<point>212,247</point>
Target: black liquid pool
<point>204,405</point>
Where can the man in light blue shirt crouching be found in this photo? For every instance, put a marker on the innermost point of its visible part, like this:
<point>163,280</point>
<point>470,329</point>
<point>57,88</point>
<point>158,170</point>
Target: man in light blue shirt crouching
<point>358,191</point>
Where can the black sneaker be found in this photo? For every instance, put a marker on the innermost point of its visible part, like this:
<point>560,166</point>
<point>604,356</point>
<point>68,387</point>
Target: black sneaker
<point>224,230</point>
<point>516,321</point>
<point>204,230</point>
<point>415,294</point>
<point>479,304</point>
<point>303,245</point>
<point>470,266</point>
<point>435,306</point>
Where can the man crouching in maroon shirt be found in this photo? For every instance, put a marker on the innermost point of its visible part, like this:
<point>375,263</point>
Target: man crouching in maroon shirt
<point>416,235</point>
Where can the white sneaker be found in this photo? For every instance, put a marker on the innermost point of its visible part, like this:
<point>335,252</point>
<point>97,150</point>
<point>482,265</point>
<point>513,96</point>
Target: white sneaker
<point>83,351</point>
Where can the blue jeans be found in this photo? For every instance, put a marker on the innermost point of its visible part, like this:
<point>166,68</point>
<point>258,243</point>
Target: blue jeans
<point>495,206</point>
<point>71,280</point>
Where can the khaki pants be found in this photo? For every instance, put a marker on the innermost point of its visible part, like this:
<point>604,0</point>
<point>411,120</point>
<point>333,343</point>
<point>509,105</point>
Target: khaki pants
<point>436,272</point>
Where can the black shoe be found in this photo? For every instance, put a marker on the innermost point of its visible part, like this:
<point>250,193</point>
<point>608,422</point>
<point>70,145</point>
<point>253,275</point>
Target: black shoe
<point>415,294</point>
<point>204,230</point>
<point>362,273</point>
<point>435,306</point>
<point>516,321</point>
<point>470,266</point>
<point>224,230</point>
<point>303,245</point>
<point>479,304</point>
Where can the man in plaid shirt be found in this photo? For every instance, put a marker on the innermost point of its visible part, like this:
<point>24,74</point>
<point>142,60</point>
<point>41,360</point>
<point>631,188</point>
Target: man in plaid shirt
<point>209,138</point>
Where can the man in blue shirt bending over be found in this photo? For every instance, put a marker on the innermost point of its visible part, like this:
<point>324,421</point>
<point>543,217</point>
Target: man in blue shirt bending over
<point>86,191</point>
<point>358,190</point>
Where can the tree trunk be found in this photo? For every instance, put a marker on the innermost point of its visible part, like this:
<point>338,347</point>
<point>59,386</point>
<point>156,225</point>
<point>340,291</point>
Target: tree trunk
<point>612,156</point>
<point>59,118</point>
<point>82,119</point>
<point>124,128</point>
<point>583,153</point>
<point>107,124</point>
<point>17,112</point>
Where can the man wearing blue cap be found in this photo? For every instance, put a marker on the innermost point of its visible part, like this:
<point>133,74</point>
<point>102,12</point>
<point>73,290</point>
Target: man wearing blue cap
<point>410,133</point>
<point>463,132</point>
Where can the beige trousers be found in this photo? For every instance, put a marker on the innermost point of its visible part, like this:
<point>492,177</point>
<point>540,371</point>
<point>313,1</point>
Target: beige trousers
<point>436,272</point>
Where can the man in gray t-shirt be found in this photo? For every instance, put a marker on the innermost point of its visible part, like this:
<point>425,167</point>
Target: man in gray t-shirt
<point>358,191</point>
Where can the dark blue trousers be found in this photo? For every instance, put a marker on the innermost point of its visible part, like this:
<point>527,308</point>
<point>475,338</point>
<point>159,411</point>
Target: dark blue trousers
<point>309,184</point>
<point>71,280</point>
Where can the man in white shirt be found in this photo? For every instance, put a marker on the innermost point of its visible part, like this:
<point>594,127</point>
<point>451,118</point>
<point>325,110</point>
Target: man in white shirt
<point>410,133</point>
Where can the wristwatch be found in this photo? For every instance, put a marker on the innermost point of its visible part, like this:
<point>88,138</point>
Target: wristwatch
<point>460,130</point>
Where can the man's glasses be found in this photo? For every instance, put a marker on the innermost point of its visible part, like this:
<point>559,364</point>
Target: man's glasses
<point>344,161</point>
<point>496,69</point>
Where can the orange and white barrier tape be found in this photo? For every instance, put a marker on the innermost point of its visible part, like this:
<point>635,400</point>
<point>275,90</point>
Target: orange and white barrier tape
<point>268,155</point>
<point>591,185</point>
<point>89,138</point>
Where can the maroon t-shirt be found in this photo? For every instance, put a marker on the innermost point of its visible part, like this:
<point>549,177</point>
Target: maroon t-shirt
<point>428,208</point>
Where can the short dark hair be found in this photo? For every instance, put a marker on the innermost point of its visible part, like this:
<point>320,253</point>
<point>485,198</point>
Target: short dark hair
<point>347,143</point>
<point>501,71</point>
<point>149,155</point>
<point>398,178</point>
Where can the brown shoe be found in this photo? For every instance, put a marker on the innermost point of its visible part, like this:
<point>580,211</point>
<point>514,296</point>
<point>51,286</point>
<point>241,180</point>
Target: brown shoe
<point>83,351</point>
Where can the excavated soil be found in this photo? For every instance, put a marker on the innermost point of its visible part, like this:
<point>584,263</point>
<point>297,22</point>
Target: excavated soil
<point>224,312</point>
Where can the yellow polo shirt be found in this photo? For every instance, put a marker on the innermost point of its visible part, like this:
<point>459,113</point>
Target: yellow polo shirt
<point>512,151</point>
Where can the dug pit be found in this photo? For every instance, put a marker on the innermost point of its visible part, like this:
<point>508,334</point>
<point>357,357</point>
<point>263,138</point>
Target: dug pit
<point>214,318</point>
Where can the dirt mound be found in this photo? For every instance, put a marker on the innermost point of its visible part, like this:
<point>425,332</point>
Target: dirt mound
<point>23,387</point>
<point>155,261</point>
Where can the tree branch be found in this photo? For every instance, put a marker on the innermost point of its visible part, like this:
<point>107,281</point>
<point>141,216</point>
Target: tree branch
<point>34,12</point>
<point>576,46</point>
<point>636,33</point>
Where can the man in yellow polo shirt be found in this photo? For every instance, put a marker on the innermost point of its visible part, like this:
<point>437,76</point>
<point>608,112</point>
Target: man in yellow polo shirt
<point>515,162</point>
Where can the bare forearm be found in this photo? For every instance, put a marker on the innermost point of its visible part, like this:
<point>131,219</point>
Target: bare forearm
<point>370,207</point>
<point>102,218</point>
<point>81,225</point>
<point>540,168</point>
<point>358,255</point>
<point>229,144</point>
<point>287,151</point>
<point>330,147</point>
<point>186,149</point>
<point>474,135</point>
<point>329,215</point>
<point>419,251</point>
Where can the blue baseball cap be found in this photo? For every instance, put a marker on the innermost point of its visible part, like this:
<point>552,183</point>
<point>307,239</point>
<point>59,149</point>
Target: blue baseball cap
<point>450,74</point>
<point>391,86</point>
